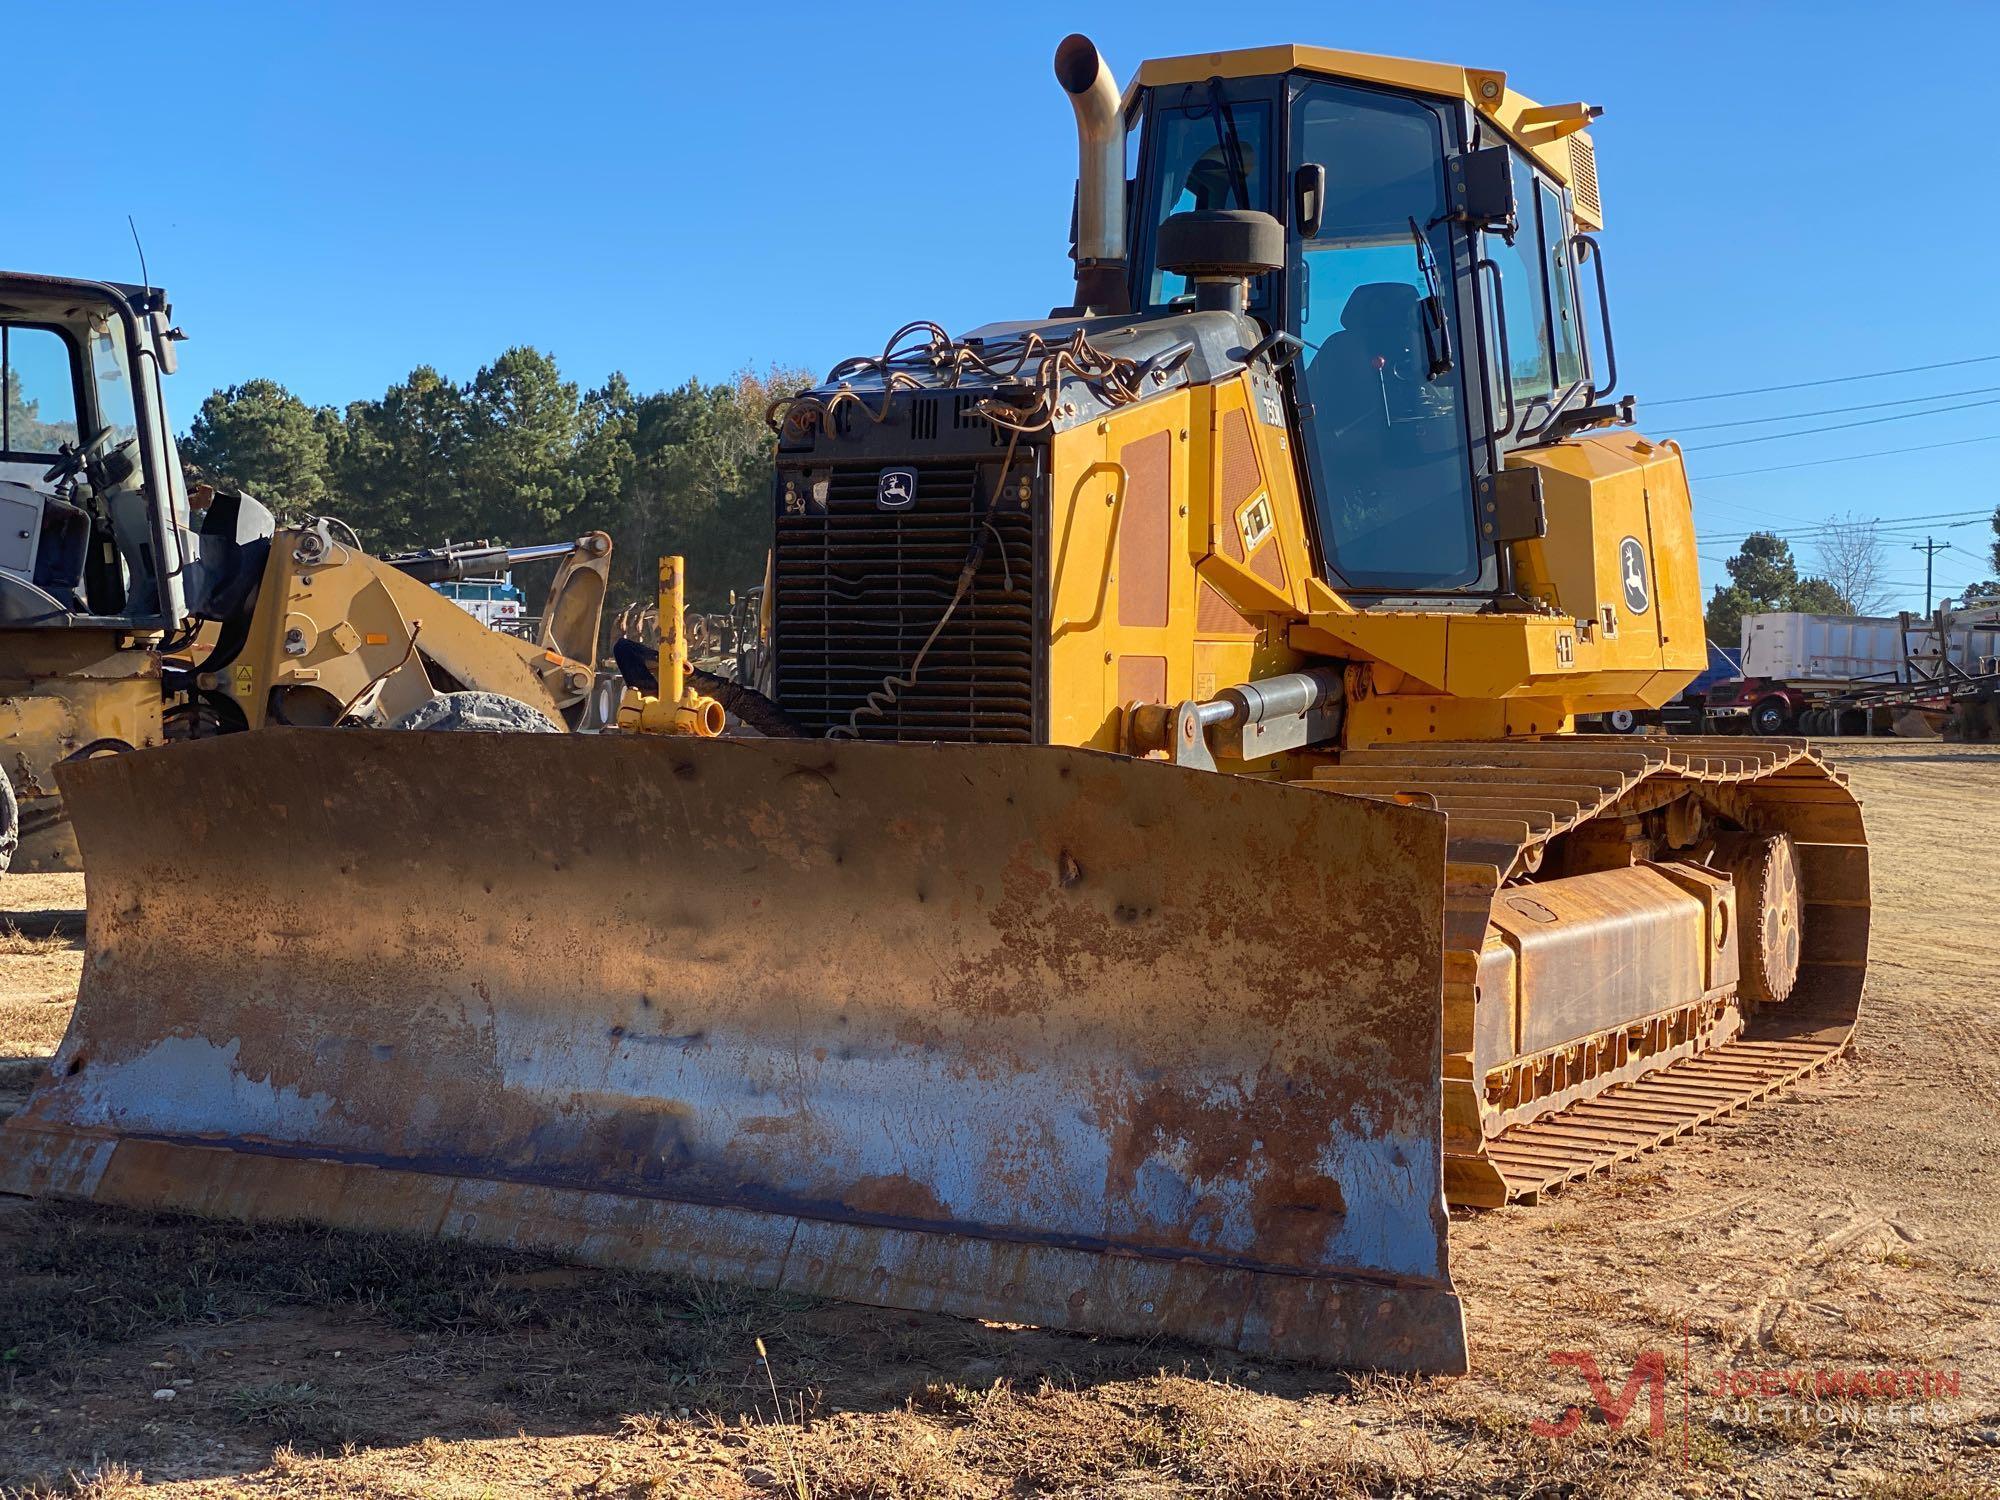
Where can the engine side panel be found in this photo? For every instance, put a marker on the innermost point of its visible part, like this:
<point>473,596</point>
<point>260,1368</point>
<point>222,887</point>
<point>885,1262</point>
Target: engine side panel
<point>1178,554</point>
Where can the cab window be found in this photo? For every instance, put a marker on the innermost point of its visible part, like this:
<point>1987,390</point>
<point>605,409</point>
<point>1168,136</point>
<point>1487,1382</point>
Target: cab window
<point>1523,293</point>
<point>1203,164</point>
<point>40,408</point>
<point>1562,288</point>
<point>1383,411</point>
<point>112,375</point>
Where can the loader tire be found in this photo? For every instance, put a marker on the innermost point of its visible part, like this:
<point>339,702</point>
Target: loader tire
<point>1769,910</point>
<point>10,822</point>
<point>479,712</point>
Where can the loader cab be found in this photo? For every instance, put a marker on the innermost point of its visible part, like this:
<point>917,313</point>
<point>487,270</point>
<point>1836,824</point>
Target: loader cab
<point>1439,329</point>
<point>95,526</point>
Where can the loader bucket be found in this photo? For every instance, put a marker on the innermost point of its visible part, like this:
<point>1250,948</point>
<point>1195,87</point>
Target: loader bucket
<point>1036,1035</point>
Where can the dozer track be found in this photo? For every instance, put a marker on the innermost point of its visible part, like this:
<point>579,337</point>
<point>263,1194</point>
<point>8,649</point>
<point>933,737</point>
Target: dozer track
<point>1514,1132</point>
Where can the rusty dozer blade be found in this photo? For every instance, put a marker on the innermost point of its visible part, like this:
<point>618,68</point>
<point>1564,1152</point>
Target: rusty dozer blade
<point>1037,1035</point>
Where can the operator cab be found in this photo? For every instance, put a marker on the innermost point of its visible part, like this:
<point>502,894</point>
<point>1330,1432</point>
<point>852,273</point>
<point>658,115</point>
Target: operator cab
<point>1432,224</point>
<point>95,526</point>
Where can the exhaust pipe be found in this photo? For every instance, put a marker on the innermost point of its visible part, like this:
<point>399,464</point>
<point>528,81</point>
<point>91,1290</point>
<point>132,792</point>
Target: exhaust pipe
<point>1100,193</point>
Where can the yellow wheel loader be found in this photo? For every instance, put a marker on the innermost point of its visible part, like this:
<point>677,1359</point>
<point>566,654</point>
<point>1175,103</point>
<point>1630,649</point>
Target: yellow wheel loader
<point>1173,876</point>
<point>134,613</point>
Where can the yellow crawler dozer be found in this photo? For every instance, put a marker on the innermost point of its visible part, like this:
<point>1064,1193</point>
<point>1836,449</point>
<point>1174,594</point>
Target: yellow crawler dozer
<point>1170,875</point>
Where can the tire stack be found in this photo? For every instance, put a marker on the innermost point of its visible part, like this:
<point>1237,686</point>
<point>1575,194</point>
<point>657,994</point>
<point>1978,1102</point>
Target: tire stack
<point>1831,723</point>
<point>1974,720</point>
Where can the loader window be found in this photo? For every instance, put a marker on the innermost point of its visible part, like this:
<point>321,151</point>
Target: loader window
<point>1385,429</point>
<point>40,410</point>
<point>112,375</point>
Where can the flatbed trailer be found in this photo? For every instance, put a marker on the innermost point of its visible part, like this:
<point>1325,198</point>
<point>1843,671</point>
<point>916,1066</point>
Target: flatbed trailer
<point>1946,680</point>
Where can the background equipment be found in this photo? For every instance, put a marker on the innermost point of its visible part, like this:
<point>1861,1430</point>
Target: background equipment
<point>133,613</point>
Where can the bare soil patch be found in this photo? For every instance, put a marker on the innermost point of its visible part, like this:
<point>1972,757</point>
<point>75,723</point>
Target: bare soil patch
<point>1849,1226</point>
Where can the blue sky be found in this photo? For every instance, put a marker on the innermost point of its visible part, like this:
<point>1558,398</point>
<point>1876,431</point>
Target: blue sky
<point>334,194</point>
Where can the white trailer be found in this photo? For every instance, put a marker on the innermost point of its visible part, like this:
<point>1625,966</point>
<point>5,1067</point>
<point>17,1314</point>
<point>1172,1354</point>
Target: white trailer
<point>1852,674</point>
<point>1853,650</point>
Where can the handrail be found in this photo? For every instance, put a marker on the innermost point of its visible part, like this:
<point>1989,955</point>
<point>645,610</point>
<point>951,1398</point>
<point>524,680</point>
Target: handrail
<point>1588,249</point>
<point>1486,263</point>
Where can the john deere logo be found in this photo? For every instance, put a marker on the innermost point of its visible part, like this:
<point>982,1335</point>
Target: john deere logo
<point>896,489</point>
<point>1632,566</point>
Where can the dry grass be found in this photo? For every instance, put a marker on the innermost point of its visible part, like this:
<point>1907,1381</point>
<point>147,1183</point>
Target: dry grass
<point>15,943</point>
<point>574,1344</point>
<point>1951,1482</point>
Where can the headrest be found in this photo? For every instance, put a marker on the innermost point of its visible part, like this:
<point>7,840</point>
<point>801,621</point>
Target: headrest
<point>1380,307</point>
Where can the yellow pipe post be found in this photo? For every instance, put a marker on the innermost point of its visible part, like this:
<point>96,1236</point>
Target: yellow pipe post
<point>677,708</point>
<point>673,644</point>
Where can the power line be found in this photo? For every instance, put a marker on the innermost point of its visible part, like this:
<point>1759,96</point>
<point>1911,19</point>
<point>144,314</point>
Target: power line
<point>1709,502</point>
<point>1835,411</point>
<point>1887,523</point>
<point>1820,537</point>
<point>1814,463</point>
<point>1800,385</point>
<point>1901,416</point>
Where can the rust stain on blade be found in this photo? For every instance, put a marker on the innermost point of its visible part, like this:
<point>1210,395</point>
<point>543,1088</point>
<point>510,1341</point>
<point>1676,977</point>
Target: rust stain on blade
<point>1036,1034</point>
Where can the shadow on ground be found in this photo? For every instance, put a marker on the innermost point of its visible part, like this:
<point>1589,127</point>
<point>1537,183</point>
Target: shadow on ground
<point>282,1341</point>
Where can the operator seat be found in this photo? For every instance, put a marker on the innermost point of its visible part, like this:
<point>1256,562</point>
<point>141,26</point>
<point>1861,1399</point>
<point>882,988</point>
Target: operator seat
<point>1380,328</point>
<point>63,549</point>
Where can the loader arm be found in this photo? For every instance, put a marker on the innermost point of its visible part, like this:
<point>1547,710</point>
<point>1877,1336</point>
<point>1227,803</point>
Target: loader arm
<point>333,625</point>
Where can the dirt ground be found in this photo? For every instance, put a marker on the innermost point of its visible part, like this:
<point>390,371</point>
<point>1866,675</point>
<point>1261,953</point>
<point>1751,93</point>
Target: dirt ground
<point>1845,1232</point>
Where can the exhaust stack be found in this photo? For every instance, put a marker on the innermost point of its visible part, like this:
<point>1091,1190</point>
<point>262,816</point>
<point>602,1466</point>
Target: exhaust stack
<point>1100,195</point>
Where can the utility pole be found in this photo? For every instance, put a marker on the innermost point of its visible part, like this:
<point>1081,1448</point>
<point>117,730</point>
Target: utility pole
<point>1930,550</point>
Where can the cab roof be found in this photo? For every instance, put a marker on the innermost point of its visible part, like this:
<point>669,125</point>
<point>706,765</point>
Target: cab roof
<point>37,290</point>
<point>1554,134</point>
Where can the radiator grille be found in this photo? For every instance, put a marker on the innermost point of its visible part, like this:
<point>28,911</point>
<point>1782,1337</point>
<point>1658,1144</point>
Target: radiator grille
<point>859,588</point>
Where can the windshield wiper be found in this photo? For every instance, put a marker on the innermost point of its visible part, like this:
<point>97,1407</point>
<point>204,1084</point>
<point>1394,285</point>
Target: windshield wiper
<point>1437,331</point>
<point>1231,144</point>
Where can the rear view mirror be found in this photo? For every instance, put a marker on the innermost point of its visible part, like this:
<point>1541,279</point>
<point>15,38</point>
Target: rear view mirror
<point>1482,188</point>
<point>164,338</point>
<point>1309,198</point>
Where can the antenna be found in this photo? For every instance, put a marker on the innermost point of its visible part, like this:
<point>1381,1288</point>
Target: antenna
<point>143,277</point>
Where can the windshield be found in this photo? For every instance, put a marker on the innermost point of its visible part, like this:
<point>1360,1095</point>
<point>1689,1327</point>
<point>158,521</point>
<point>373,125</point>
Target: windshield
<point>1382,411</point>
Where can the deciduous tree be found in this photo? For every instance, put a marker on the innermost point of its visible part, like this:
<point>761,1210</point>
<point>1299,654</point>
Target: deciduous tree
<point>1851,559</point>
